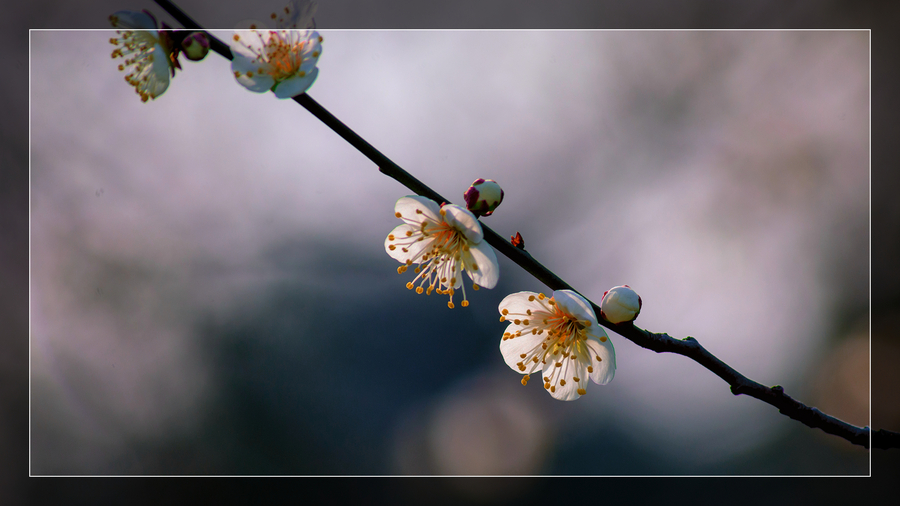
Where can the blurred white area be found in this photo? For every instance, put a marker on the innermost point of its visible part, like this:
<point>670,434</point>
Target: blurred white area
<point>723,175</point>
<point>484,425</point>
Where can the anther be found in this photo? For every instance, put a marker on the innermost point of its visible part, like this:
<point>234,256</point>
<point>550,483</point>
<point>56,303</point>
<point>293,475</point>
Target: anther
<point>409,285</point>
<point>581,391</point>
<point>419,290</point>
<point>450,305</point>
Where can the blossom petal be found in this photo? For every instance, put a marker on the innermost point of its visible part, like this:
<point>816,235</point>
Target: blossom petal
<point>413,250</point>
<point>604,370</point>
<point>407,207</point>
<point>488,272</point>
<point>133,19</point>
<point>158,73</point>
<point>299,14</point>
<point>463,220</point>
<point>518,303</point>
<point>512,350</point>
<point>575,305</point>
<point>248,75</point>
<point>247,42</point>
<point>566,388</point>
<point>312,50</point>
<point>295,85</point>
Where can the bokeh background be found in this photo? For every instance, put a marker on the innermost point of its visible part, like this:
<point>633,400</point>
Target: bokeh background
<point>210,293</point>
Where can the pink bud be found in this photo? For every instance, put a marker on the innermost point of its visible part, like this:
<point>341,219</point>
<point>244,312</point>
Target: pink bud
<point>483,197</point>
<point>195,46</point>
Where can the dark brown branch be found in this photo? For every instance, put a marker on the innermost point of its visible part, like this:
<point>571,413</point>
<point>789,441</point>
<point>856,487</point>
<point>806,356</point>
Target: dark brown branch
<point>660,343</point>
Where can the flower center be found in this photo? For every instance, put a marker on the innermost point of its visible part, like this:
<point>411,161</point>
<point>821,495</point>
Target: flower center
<point>441,262</point>
<point>564,342</point>
<point>283,54</point>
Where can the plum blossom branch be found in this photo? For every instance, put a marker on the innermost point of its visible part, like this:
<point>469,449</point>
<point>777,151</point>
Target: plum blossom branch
<point>658,342</point>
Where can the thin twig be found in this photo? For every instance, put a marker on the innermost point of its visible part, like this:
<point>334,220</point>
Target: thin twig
<point>660,343</point>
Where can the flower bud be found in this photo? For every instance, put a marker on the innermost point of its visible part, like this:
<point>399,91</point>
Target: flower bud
<point>620,304</point>
<point>483,197</point>
<point>195,46</point>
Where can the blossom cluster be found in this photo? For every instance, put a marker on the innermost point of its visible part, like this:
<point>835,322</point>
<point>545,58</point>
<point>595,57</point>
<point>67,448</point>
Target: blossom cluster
<point>558,337</point>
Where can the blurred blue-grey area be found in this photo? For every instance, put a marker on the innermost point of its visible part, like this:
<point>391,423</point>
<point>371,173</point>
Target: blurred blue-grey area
<point>210,296</point>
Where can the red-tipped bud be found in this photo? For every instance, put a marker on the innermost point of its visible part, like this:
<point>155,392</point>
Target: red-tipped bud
<point>195,46</point>
<point>483,197</point>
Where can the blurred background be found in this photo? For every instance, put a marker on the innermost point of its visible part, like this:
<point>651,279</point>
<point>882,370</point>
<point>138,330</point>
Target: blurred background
<point>210,293</point>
